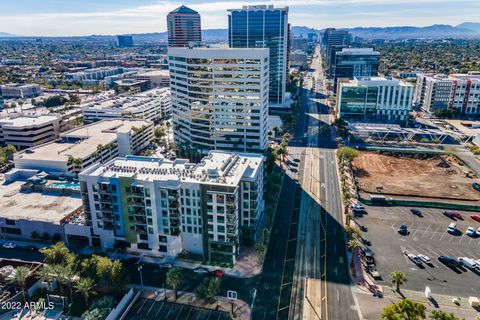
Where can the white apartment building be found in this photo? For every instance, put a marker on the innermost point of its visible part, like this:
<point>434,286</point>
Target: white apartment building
<point>220,98</point>
<point>379,99</point>
<point>20,91</point>
<point>460,92</point>
<point>79,148</point>
<point>29,131</point>
<point>159,207</point>
<point>152,105</point>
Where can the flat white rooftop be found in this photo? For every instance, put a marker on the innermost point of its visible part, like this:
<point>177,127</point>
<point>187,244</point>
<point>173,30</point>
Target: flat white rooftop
<point>102,132</point>
<point>45,206</point>
<point>27,121</point>
<point>120,103</point>
<point>220,168</point>
<point>154,73</point>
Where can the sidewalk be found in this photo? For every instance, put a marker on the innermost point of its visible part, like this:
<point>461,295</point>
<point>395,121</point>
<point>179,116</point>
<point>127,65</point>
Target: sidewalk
<point>241,308</point>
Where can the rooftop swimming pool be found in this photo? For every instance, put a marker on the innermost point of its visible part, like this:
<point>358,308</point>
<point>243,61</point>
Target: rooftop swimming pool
<point>64,185</point>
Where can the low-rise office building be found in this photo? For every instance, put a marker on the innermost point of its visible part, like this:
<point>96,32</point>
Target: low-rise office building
<point>29,131</point>
<point>20,91</point>
<point>220,98</point>
<point>130,86</point>
<point>378,99</point>
<point>79,148</point>
<point>152,105</point>
<point>94,74</point>
<point>161,208</point>
<point>156,78</point>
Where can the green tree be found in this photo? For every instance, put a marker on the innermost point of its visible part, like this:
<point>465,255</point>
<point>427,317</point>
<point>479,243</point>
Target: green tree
<point>59,254</point>
<point>99,309</point>
<point>48,274</point>
<point>260,248</point>
<point>441,315</point>
<point>404,310</point>
<point>173,279</point>
<point>85,287</point>
<point>347,153</point>
<point>353,245</point>
<point>398,278</point>
<point>9,151</point>
<point>208,289</point>
<point>66,276</point>
<point>20,279</point>
<point>352,232</point>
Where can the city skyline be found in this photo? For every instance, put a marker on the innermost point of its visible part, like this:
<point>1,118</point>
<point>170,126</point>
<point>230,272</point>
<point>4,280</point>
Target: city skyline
<point>29,18</point>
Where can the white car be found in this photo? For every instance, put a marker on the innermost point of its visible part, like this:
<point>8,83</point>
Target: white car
<point>424,258</point>
<point>467,262</point>
<point>471,231</point>
<point>201,270</point>
<point>9,245</point>
<point>414,259</point>
<point>478,232</point>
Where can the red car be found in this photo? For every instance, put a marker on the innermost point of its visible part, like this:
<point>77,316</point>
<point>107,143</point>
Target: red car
<point>476,218</point>
<point>217,273</point>
<point>457,215</point>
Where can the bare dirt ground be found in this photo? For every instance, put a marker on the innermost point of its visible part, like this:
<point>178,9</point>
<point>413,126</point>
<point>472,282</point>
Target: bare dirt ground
<point>418,175</point>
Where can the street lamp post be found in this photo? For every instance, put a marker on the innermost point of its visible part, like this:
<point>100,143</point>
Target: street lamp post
<point>139,268</point>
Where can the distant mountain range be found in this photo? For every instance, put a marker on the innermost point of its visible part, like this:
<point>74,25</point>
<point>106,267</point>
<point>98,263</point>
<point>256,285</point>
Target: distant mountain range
<point>466,30</point>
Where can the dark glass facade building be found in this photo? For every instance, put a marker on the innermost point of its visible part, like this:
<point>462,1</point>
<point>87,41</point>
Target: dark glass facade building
<point>263,27</point>
<point>125,41</point>
<point>355,62</point>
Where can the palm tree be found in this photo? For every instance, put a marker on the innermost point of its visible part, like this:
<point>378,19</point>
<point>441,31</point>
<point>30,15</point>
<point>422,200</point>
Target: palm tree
<point>398,278</point>
<point>350,217</point>
<point>85,287</point>
<point>353,245</point>
<point>174,278</point>
<point>65,275</point>
<point>352,231</point>
<point>20,279</point>
<point>47,274</point>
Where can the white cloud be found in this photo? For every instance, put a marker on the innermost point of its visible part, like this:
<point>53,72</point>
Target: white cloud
<point>152,17</point>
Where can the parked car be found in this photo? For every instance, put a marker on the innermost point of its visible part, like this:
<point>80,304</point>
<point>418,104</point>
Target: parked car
<point>424,258</point>
<point>452,228</point>
<point>358,207</point>
<point>403,230</point>
<point>296,160</point>
<point>448,214</point>
<point>467,262</point>
<point>476,217</point>
<point>200,270</point>
<point>471,232</point>
<point>9,245</point>
<point>165,265</point>
<point>476,186</point>
<point>478,232</point>
<point>414,259</point>
<point>449,261</point>
<point>416,212</point>
<point>457,215</point>
<point>217,273</point>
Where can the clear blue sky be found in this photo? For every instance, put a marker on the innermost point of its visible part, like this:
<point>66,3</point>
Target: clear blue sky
<point>84,17</point>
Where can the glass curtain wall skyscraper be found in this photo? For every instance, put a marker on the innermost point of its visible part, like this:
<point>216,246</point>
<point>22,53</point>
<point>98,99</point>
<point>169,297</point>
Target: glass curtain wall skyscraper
<point>263,27</point>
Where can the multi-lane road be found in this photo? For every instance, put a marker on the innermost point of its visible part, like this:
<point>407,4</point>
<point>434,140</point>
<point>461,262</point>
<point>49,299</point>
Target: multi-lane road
<point>321,283</point>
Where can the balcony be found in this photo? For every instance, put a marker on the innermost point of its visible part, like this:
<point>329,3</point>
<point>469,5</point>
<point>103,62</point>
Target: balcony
<point>173,204</point>
<point>230,200</point>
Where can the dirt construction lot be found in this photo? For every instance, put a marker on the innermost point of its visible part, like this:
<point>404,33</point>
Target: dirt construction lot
<point>417,175</point>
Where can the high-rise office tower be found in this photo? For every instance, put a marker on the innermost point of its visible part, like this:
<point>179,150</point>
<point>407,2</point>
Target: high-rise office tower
<point>124,41</point>
<point>184,27</point>
<point>335,41</point>
<point>263,27</point>
<point>219,98</point>
<point>355,62</point>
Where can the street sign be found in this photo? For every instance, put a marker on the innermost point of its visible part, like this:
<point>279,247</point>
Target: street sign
<point>232,295</point>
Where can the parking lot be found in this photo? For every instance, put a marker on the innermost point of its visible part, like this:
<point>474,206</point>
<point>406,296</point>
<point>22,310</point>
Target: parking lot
<point>427,235</point>
<point>152,309</point>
